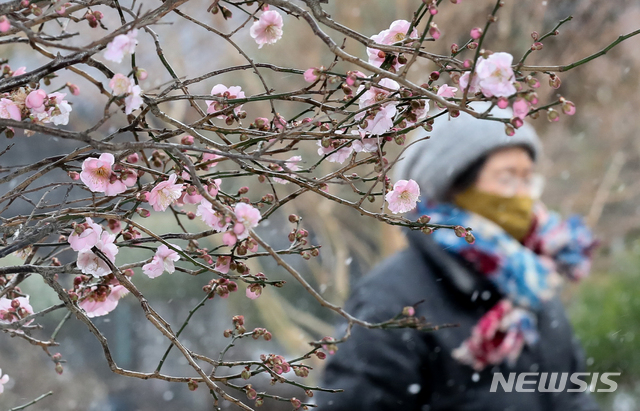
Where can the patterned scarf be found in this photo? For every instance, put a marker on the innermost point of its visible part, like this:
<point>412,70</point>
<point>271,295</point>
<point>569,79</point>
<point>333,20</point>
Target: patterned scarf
<point>527,274</point>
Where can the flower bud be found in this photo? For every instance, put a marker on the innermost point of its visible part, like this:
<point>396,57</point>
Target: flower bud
<point>193,385</point>
<point>503,103</point>
<point>408,311</point>
<point>144,213</point>
<point>434,31</point>
<point>186,140</point>
<point>470,238</point>
<point>59,368</point>
<point>509,129</point>
<point>472,46</point>
<point>536,46</point>
<point>554,81</point>
<point>227,333</point>
<point>251,393</point>
<point>476,33</point>
<point>245,374</point>
<point>454,48</point>
<point>73,175</point>
<point>321,355</point>
<point>568,108</point>
<point>535,35</point>
<point>296,403</point>
<point>424,219</point>
<point>259,402</point>
<point>75,90</point>
<point>460,231</point>
<point>552,115</point>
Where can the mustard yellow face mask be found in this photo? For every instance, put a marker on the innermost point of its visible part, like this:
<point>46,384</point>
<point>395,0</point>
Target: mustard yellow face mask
<point>513,214</point>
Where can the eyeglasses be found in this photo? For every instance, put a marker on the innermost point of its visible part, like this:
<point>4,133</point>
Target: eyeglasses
<point>512,184</point>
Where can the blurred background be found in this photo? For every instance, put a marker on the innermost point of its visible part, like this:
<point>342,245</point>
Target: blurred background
<point>592,167</point>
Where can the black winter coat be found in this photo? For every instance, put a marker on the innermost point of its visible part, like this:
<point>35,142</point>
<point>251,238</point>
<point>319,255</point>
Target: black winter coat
<point>406,369</point>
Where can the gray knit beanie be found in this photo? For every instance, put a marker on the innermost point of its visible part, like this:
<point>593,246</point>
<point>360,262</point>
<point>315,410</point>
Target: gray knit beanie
<point>454,145</point>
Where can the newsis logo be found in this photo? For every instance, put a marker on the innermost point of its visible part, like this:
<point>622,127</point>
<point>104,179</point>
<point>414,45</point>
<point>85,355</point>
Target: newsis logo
<point>555,382</point>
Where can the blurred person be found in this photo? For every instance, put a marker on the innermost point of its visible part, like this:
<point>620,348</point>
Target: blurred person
<point>501,291</point>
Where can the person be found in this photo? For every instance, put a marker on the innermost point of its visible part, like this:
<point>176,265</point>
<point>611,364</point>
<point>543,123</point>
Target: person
<point>498,289</point>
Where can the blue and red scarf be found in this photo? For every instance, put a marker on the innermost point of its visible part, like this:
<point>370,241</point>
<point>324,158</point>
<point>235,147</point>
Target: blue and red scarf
<point>526,273</point>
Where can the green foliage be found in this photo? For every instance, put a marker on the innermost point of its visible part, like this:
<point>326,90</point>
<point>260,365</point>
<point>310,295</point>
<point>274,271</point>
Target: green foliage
<point>605,312</point>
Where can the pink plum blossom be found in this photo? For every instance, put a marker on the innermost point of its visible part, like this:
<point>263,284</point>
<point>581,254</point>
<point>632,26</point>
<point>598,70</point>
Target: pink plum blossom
<point>403,197</point>
<point>280,122</point>
<point>162,261</point>
<point>214,187</point>
<point>398,32</point>
<point>395,33</point>
<point>88,238</point>
<point>220,90</point>
<point>35,101</point>
<point>90,263</point>
<point>57,112</point>
<point>19,71</point>
<point>165,193</point>
<point>292,164</point>
<point>121,45</point>
<point>10,110</point>
<point>120,84</point>
<point>376,94</point>
<point>207,157</point>
<point>222,264</point>
<point>123,86</point>
<point>352,76</point>
<point>5,25</point>
<point>312,74</point>
<point>97,305</point>
<point>210,217</point>
<point>495,75</point>
<point>8,313</point>
<point>338,156</point>
<point>520,108</point>
<point>60,113</point>
<point>253,291</point>
<point>445,91</point>
<point>133,101</point>
<point>365,145</point>
<point>247,217</point>
<point>96,172</point>
<point>382,121</point>
<point>3,378</point>
<point>464,82</point>
<point>268,29</point>
<point>229,238</point>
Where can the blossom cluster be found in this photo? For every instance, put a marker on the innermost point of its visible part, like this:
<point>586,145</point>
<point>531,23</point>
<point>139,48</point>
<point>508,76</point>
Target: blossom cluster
<point>121,85</point>
<point>35,105</point>
<point>84,237</point>
<point>12,310</point>
<point>101,299</point>
<point>398,32</point>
